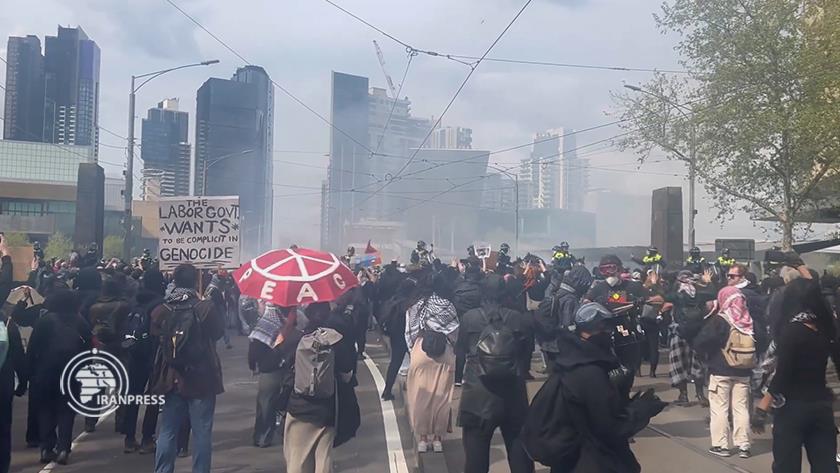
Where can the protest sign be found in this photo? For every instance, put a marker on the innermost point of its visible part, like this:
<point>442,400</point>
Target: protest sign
<point>202,231</point>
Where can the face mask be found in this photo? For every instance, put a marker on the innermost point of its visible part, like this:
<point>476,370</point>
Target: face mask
<point>603,340</point>
<point>613,281</point>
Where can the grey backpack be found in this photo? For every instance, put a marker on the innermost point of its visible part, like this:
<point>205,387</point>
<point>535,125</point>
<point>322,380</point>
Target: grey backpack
<point>315,364</point>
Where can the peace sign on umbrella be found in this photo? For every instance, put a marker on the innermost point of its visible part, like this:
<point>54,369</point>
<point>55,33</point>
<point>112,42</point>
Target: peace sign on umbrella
<point>290,278</point>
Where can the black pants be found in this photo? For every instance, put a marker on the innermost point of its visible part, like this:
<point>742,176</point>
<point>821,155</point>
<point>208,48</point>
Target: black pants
<point>398,350</point>
<point>55,423</point>
<point>651,347</point>
<point>272,396</point>
<point>5,430</point>
<point>477,448</point>
<point>32,435</point>
<point>808,424</point>
<point>139,370</point>
<point>460,363</point>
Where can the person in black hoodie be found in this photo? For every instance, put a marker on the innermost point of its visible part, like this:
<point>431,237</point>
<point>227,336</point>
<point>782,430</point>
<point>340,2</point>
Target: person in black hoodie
<point>557,310</point>
<point>484,406</point>
<point>393,321</point>
<point>14,365</point>
<point>593,378</point>
<point>56,338</point>
<point>314,426</point>
<point>467,297</point>
<point>139,349</point>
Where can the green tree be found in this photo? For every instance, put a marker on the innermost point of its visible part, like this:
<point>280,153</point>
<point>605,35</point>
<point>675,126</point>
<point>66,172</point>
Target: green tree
<point>15,239</point>
<point>112,246</point>
<point>58,246</point>
<point>761,99</point>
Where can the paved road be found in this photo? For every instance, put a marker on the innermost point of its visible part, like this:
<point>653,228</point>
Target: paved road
<point>676,441</point>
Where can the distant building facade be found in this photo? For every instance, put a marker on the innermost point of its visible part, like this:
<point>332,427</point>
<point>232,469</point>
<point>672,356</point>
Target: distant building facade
<point>234,149</point>
<point>165,151</point>
<point>71,85</point>
<point>24,104</point>
<point>349,156</point>
<point>450,137</point>
<point>553,177</point>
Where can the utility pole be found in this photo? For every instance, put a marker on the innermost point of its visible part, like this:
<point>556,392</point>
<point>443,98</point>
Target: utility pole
<point>128,193</point>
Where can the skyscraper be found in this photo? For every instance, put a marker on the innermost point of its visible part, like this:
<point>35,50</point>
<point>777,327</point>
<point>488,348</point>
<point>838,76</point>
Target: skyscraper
<point>553,177</point>
<point>349,157</point>
<point>71,102</point>
<point>450,137</point>
<point>24,105</point>
<point>165,150</point>
<point>234,138</point>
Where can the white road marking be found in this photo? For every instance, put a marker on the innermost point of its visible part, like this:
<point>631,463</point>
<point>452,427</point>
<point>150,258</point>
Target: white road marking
<point>78,439</point>
<point>393,439</point>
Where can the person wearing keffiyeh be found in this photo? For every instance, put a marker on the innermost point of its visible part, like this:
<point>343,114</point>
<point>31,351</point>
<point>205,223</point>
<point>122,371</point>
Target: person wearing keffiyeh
<point>271,349</point>
<point>430,381</point>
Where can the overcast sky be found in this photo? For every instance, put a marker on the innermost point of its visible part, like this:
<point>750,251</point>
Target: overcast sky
<point>300,41</point>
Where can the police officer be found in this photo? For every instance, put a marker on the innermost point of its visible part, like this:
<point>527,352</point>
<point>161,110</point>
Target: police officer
<point>652,260</point>
<point>562,260</point>
<point>695,263</point>
<point>724,261</point>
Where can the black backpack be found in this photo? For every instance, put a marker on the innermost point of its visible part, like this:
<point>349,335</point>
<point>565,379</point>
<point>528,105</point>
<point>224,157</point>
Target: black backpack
<point>497,349</point>
<point>182,341</point>
<point>549,434</point>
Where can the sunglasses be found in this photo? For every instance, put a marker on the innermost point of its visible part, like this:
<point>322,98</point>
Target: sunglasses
<point>733,276</point>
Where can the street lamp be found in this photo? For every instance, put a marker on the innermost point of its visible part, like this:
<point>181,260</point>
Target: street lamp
<point>515,178</point>
<point>692,160</point>
<point>129,174</point>
<point>214,162</point>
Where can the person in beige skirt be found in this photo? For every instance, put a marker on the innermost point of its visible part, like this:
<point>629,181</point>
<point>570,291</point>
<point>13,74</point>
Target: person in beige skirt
<point>430,381</point>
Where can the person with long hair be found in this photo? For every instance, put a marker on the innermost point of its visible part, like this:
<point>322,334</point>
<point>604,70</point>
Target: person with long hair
<point>805,337</point>
<point>431,326</point>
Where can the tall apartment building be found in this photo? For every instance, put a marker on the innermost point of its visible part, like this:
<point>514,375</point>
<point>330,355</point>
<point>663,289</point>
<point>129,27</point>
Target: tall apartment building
<point>553,177</point>
<point>24,104</point>
<point>71,88</point>
<point>166,150</point>
<point>234,147</point>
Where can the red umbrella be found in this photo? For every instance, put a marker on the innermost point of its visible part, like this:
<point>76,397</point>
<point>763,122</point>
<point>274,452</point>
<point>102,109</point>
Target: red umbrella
<point>289,277</point>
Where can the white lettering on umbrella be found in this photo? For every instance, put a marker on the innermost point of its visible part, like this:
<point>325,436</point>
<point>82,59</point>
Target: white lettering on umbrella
<point>268,290</point>
<point>339,281</point>
<point>307,291</point>
<point>246,274</point>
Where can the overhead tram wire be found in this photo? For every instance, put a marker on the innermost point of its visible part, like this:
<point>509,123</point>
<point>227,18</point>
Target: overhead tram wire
<point>574,66</point>
<point>452,101</point>
<point>277,85</point>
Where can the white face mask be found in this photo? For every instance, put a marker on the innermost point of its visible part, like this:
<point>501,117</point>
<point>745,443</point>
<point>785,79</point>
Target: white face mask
<point>613,281</point>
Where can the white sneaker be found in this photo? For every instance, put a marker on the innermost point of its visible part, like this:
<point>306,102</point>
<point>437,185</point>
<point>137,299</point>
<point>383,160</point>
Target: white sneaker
<point>422,447</point>
<point>838,458</point>
<point>437,446</point>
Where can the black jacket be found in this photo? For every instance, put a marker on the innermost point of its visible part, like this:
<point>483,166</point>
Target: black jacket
<point>484,404</point>
<point>322,412</point>
<point>610,421</point>
<point>556,313</point>
<point>710,341</point>
<point>467,295</point>
<point>55,340</point>
<point>16,363</point>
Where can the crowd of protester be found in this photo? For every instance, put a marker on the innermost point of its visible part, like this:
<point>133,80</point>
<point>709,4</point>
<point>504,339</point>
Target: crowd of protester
<point>752,350</point>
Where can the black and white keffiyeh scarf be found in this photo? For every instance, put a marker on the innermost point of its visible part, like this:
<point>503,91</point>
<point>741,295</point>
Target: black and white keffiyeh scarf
<point>433,313</point>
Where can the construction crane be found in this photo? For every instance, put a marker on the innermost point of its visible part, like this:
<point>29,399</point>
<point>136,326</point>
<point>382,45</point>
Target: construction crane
<point>385,71</point>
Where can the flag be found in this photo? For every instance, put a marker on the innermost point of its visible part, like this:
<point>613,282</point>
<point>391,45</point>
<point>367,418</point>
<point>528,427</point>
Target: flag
<point>371,258</point>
